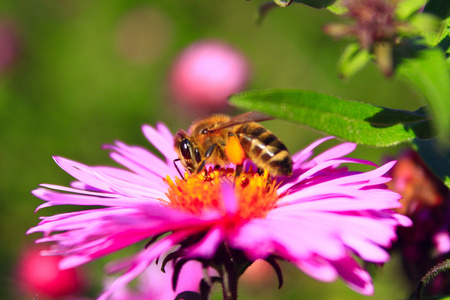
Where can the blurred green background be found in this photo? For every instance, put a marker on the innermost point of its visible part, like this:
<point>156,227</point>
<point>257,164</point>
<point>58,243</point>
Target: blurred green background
<point>77,84</point>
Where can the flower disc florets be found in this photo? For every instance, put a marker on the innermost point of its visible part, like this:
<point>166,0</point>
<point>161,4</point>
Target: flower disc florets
<point>255,192</point>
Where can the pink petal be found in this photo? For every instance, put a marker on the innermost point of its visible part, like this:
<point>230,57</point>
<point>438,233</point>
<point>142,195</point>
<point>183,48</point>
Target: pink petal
<point>314,170</point>
<point>55,198</point>
<point>317,268</point>
<point>83,173</point>
<point>141,161</point>
<point>161,139</point>
<point>141,262</point>
<point>229,199</point>
<point>368,251</point>
<point>261,237</point>
<point>207,246</point>
<point>354,276</point>
<point>335,152</point>
<point>300,157</point>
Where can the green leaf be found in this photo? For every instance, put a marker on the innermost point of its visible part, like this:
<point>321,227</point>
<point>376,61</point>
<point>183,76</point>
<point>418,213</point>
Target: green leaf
<point>316,3</point>
<point>441,9</point>
<point>406,8</point>
<point>352,60</point>
<point>428,73</point>
<point>436,157</point>
<point>337,8</point>
<point>435,298</point>
<point>264,9</point>
<point>283,3</point>
<point>350,120</point>
<point>427,24</point>
<point>439,37</point>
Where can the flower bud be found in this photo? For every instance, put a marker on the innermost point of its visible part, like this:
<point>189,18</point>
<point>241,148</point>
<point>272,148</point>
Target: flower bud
<point>40,275</point>
<point>206,73</point>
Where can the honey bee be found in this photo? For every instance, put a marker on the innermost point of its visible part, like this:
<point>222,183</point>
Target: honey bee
<point>221,139</point>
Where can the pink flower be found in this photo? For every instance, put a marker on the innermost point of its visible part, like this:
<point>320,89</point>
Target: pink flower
<point>206,73</point>
<point>40,275</point>
<point>319,219</point>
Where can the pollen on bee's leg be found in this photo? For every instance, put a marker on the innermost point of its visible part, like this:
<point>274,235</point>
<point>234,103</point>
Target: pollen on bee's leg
<point>234,151</point>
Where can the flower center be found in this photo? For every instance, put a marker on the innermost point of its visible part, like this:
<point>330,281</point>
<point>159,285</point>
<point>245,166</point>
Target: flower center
<point>255,193</point>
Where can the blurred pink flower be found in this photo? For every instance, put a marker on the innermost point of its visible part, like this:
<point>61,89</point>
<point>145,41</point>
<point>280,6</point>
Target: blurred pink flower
<point>206,73</point>
<point>318,219</point>
<point>40,275</point>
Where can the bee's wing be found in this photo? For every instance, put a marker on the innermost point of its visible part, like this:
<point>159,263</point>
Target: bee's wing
<point>251,116</point>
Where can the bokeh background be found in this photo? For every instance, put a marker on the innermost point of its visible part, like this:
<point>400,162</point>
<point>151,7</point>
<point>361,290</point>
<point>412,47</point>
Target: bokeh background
<point>77,74</point>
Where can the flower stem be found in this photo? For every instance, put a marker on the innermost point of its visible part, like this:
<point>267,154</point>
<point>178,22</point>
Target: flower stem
<point>435,271</point>
<point>229,280</point>
<point>227,269</point>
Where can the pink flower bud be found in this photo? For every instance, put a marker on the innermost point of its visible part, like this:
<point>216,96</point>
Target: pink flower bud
<point>206,73</point>
<point>40,275</point>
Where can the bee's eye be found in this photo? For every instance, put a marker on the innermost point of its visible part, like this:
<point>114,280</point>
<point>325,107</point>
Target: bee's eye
<point>185,148</point>
<point>205,131</point>
<point>198,157</point>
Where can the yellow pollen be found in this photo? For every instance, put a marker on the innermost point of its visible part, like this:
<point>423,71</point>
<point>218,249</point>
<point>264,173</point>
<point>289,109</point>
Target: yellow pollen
<point>197,193</point>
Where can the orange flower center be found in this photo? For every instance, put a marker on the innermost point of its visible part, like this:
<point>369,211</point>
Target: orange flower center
<point>255,193</point>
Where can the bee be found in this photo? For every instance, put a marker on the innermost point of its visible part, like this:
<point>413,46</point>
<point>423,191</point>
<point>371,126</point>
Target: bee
<point>221,139</point>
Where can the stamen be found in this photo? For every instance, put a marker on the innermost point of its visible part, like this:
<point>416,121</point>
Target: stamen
<point>198,193</point>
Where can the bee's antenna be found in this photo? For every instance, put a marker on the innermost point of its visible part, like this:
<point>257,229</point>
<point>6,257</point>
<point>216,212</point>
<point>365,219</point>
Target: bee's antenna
<point>176,167</point>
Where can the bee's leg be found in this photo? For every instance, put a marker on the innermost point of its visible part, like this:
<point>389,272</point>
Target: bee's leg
<point>260,171</point>
<point>238,171</point>
<point>210,150</point>
<point>207,155</point>
<point>201,166</point>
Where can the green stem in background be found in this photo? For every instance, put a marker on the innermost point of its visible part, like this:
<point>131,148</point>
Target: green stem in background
<point>435,271</point>
<point>428,74</point>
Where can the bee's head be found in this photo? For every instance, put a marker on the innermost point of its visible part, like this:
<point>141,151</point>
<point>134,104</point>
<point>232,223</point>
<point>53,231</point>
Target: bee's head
<point>188,153</point>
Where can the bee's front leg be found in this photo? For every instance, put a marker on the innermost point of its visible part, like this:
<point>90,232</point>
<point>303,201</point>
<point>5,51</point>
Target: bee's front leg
<point>208,153</point>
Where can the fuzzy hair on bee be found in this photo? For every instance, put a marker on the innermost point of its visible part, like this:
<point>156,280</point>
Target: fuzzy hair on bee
<point>221,140</point>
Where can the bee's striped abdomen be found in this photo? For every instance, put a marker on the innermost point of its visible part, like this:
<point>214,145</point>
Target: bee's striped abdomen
<point>265,149</point>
